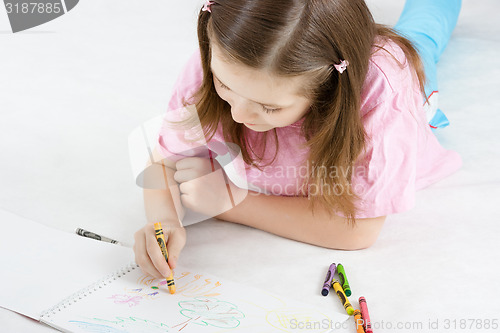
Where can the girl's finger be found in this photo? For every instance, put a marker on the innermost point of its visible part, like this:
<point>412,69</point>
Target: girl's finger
<point>175,244</point>
<point>186,201</point>
<point>185,187</point>
<point>186,163</point>
<point>185,175</point>
<point>142,257</point>
<point>198,163</point>
<point>154,252</point>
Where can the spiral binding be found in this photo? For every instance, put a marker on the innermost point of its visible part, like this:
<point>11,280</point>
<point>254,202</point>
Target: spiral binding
<point>88,290</point>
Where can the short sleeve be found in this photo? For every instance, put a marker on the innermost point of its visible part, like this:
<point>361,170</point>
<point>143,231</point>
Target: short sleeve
<point>188,82</point>
<point>385,173</point>
<point>175,143</point>
<point>401,154</point>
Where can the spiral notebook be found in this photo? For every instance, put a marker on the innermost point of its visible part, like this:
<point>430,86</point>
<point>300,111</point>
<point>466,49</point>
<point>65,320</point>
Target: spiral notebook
<point>76,284</point>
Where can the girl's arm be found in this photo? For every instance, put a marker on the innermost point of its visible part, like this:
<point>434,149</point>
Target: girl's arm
<point>292,218</point>
<point>161,205</point>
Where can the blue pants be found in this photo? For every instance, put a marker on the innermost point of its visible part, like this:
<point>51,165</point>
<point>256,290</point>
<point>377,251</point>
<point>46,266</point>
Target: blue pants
<point>429,24</point>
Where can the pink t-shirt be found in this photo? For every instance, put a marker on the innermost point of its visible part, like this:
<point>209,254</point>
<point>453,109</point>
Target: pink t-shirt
<point>402,154</point>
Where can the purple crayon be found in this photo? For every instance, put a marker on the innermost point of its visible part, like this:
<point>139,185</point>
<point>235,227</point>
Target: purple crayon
<point>328,280</point>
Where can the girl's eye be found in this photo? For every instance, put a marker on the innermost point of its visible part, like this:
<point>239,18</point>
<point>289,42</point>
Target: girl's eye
<point>267,110</point>
<point>223,86</point>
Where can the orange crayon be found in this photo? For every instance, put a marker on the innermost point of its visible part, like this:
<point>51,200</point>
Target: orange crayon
<point>160,238</point>
<point>359,322</point>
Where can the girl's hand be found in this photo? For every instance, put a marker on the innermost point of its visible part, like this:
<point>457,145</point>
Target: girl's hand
<point>205,190</point>
<point>148,254</point>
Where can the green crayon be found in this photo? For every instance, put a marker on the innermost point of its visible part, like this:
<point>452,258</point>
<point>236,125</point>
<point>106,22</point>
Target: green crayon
<point>343,280</point>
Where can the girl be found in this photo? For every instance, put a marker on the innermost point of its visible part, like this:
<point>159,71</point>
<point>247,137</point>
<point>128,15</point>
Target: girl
<point>310,85</point>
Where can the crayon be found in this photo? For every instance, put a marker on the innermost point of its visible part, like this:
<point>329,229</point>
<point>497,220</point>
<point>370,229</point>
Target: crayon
<point>328,280</point>
<point>343,298</point>
<point>343,280</point>
<point>161,243</point>
<point>359,322</point>
<point>90,234</point>
<point>364,313</point>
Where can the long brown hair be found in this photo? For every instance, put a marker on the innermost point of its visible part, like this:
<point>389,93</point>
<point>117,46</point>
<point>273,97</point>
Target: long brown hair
<point>290,38</point>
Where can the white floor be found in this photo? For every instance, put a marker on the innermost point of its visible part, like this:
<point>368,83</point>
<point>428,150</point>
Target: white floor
<point>73,89</point>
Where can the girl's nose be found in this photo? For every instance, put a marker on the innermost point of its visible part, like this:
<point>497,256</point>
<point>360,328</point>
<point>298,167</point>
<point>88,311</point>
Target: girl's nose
<point>243,112</point>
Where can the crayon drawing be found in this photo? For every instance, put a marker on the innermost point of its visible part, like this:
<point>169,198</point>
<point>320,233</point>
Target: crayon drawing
<point>134,296</point>
<point>125,299</point>
<point>201,312</point>
<point>121,325</point>
<point>210,312</point>
<point>97,328</point>
<point>187,284</point>
<point>286,318</point>
<point>130,304</point>
<point>144,293</point>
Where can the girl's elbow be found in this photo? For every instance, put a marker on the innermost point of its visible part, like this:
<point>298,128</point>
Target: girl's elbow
<point>360,244</point>
<point>366,235</point>
<point>355,243</point>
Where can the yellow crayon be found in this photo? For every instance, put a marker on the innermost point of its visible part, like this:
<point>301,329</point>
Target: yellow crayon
<point>161,243</point>
<point>359,322</point>
<point>343,298</point>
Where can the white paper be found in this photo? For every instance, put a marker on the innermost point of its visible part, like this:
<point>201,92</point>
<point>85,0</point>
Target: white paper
<point>202,303</point>
<point>40,266</point>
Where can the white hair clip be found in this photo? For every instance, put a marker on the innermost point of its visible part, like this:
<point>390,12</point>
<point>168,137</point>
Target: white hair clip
<point>206,6</point>
<point>342,66</point>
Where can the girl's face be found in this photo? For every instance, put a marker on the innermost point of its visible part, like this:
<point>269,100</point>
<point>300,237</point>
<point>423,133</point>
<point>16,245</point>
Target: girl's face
<point>258,100</point>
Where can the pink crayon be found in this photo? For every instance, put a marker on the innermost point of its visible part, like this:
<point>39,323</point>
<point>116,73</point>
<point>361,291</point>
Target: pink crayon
<point>328,280</point>
<point>364,313</point>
